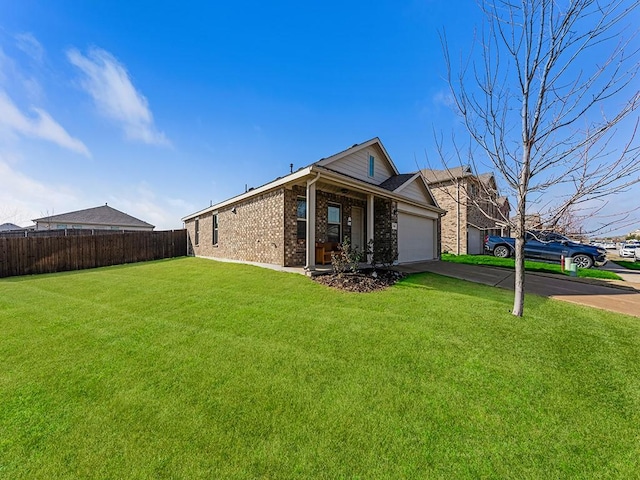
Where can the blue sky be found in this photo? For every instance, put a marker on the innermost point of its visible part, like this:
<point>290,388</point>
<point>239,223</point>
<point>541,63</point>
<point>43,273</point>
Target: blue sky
<point>159,109</point>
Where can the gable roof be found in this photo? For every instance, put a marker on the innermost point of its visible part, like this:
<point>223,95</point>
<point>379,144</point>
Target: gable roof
<point>486,178</point>
<point>502,201</point>
<point>437,176</point>
<point>103,215</point>
<point>391,185</point>
<point>359,146</point>
<point>9,226</point>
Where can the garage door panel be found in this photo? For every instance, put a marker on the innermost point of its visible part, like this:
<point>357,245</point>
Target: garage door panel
<point>415,238</point>
<point>475,244</point>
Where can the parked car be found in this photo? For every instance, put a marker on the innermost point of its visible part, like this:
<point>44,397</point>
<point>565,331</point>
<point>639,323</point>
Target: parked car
<point>549,246</point>
<point>628,250</point>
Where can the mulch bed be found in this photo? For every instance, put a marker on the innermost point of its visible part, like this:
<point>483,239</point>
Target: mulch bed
<point>362,281</point>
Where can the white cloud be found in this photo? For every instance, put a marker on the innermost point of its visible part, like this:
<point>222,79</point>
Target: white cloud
<point>115,96</point>
<point>41,126</point>
<point>31,46</point>
<point>6,64</point>
<point>443,98</point>
<point>142,202</point>
<point>25,197</point>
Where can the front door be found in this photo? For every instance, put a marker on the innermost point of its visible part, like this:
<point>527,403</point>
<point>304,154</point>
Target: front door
<point>357,228</point>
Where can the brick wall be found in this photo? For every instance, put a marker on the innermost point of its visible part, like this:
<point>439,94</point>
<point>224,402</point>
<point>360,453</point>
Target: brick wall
<point>264,228</point>
<point>446,196</point>
<point>254,233</point>
<point>295,249</point>
<point>479,203</point>
<point>466,209</point>
<point>385,239</point>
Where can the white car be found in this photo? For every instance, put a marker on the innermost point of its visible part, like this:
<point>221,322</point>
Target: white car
<point>628,250</point>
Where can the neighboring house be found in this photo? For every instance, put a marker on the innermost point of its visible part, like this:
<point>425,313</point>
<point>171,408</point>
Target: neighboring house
<point>474,208</point>
<point>532,221</point>
<point>357,193</point>
<point>97,218</point>
<point>6,227</point>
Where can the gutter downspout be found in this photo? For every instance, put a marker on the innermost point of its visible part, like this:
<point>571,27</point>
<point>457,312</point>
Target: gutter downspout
<point>311,225</point>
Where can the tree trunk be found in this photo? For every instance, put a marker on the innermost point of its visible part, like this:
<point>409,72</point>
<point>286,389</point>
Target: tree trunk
<point>518,298</point>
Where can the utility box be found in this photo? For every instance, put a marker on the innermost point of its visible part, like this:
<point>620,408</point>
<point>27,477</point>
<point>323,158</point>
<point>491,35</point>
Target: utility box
<point>570,266</point>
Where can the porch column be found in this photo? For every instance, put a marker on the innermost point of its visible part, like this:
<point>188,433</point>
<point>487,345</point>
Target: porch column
<point>370,217</point>
<point>311,225</point>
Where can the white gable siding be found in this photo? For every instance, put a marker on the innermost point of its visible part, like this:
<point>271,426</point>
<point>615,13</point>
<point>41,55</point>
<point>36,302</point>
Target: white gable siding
<point>356,165</point>
<point>417,191</point>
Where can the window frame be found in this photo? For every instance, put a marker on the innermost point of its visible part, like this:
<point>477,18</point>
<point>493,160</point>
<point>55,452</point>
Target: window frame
<point>197,232</point>
<point>372,166</point>
<point>300,220</point>
<point>338,223</point>
<point>214,229</point>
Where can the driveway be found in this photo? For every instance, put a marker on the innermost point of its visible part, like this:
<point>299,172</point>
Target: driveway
<point>616,296</point>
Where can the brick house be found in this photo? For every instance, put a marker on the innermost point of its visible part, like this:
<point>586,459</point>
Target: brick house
<point>357,193</point>
<point>474,208</point>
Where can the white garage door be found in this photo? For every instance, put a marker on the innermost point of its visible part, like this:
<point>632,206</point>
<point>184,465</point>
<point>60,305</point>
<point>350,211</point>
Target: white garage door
<point>415,238</point>
<point>475,239</point>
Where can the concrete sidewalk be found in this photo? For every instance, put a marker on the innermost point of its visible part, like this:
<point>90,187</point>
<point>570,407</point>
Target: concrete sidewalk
<point>616,297</point>
<point>629,276</point>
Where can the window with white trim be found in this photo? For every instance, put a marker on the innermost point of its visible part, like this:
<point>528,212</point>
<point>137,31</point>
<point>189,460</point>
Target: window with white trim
<point>334,225</point>
<point>197,229</point>
<point>372,166</point>
<point>301,217</point>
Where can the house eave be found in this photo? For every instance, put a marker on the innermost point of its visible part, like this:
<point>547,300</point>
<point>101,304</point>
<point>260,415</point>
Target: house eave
<point>293,177</point>
<point>365,187</point>
<point>325,174</point>
<point>374,141</point>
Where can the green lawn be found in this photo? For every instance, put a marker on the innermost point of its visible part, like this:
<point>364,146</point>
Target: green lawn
<point>629,265</point>
<point>190,368</point>
<point>529,265</point>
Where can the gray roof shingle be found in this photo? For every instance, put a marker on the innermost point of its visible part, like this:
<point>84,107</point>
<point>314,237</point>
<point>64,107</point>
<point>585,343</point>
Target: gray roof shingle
<point>392,183</point>
<point>103,215</point>
<point>437,176</point>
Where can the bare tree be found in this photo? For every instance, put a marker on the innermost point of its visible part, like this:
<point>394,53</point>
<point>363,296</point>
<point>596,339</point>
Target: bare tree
<point>10,215</point>
<point>547,104</point>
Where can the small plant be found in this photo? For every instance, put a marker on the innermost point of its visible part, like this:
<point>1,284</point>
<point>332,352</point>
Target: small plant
<point>347,257</point>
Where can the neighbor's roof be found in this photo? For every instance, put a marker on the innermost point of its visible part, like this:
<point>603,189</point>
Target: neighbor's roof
<point>455,173</point>
<point>103,215</point>
<point>9,226</point>
<point>437,176</point>
<point>486,178</point>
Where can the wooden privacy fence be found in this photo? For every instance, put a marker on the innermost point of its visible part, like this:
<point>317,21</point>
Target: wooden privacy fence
<point>30,255</point>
